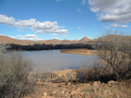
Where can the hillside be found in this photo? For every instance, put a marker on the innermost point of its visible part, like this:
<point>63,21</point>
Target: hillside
<point>112,36</point>
<point>84,40</point>
<point>8,40</point>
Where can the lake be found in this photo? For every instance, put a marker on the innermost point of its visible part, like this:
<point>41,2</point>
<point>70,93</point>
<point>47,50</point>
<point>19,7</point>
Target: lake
<point>48,60</point>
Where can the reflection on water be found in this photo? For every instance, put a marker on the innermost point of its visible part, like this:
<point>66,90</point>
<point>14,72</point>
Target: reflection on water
<point>54,60</point>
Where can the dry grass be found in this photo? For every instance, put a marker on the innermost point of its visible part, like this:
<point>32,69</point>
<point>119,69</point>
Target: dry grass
<point>79,51</point>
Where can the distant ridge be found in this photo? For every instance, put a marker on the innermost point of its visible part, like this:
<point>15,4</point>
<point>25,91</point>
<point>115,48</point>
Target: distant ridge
<point>112,36</point>
<point>9,40</point>
<point>84,40</point>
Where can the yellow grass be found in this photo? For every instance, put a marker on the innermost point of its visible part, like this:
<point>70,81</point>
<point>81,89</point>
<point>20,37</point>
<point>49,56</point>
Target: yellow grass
<point>79,51</point>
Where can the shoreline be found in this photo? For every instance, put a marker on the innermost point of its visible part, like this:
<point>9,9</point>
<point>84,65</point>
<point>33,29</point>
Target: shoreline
<point>79,51</point>
<point>63,84</point>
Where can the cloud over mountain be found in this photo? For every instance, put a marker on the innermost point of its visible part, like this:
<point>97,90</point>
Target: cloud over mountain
<point>25,23</point>
<point>37,26</point>
<point>48,27</point>
<point>28,37</point>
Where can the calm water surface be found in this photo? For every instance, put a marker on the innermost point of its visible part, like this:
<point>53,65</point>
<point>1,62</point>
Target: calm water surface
<point>47,60</point>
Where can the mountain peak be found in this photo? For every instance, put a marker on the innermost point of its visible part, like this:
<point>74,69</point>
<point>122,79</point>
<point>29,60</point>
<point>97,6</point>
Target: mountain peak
<point>84,39</point>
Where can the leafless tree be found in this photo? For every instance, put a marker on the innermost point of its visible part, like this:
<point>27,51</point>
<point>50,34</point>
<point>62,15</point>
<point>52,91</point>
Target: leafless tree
<point>115,51</point>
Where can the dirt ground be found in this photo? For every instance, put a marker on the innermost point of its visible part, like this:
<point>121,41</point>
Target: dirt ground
<point>82,90</point>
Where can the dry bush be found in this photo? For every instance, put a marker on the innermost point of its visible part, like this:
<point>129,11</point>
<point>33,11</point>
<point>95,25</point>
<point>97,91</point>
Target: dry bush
<point>47,77</point>
<point>58,76</point>
<point>96,73</point>
<point>89,74</point>
<point>115,55</point>
<point>115,51</point>
<point>14,72</point>
<point>66,75</point>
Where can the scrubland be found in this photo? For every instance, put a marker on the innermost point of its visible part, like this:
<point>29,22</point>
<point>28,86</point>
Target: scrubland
<point>110,77</point>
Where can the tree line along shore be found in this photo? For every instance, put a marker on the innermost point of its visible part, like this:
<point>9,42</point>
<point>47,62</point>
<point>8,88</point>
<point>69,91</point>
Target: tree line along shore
<point>48,47</point>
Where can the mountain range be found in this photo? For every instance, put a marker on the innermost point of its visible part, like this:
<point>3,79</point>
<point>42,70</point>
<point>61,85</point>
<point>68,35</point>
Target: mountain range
<point>9,40</point>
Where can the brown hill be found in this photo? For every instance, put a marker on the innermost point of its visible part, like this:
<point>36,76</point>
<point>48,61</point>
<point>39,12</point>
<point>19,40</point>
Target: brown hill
<point>57,42</point>
<point>8,40</point>
<point>84,40</point>
<point>112,37</point>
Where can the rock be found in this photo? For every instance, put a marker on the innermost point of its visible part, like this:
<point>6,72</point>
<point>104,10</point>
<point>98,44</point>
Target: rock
<point>78,89</point>
<point>67,83</point>
<point>88,85</point>
<point>103,84</point>
<point>45,94</point>
<point>60,85</point>
<point>73,92</point>
<point>54,92</point>
<point>62,92</point>
<point>96,84</point>
<point>110,83</point>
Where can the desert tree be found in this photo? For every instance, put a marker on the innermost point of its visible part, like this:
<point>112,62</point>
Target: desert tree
<point>115,51</point>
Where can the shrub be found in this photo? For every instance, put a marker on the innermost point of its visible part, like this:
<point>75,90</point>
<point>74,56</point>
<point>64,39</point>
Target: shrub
<point>115,51</point>
<point>14,72</point>
<point>115,55</point>
<point>90,74</point>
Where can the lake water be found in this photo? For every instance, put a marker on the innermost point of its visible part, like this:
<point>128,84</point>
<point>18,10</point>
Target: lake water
<point>48,60</point>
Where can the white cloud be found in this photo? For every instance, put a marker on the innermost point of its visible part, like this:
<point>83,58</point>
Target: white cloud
<point>124,26</point>
<point>27,37</point>
<point>78,27</point>
<point>53,34</point>
<point>117,25</point>
<point>25,23</point>
<point>48,27</point>
<point>56,38</point>
<point>116,11</point>
<point>12,37</point>
<point>38,27</point>
<point>61,31</point>
<point>83,2</point>
<point>7,20</point>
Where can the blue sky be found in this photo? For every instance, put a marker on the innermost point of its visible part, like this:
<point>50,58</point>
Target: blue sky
<point>63,19</point>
